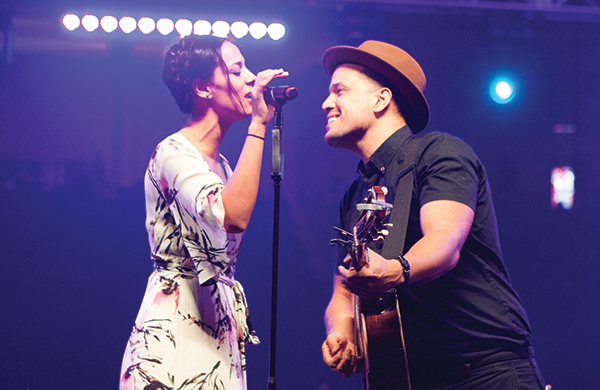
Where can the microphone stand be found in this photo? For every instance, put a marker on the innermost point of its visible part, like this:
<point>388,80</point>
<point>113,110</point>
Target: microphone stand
<point>276,176</point>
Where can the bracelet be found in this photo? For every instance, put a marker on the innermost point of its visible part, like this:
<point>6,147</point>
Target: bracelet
<point>405,268</point>
<point>255,136</point>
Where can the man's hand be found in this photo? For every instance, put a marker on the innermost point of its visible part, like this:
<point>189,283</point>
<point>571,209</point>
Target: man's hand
<point>374,278</point>
<point>340,354</point>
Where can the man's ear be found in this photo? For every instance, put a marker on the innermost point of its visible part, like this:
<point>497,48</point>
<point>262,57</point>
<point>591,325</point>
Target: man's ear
<point>384,100</point>
<point>201,89</point>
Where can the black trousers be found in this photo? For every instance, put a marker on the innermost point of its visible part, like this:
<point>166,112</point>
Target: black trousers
<point>511,375</point>
<point>502,372</point>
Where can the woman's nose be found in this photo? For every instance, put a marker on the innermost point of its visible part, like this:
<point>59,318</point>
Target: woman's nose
<point>251,78</point>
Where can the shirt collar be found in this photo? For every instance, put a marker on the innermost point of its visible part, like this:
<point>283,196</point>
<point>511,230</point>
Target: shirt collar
<point>381,158</point>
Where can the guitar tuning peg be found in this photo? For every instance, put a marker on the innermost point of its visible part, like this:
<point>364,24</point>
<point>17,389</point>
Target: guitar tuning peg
<point>389,225</point>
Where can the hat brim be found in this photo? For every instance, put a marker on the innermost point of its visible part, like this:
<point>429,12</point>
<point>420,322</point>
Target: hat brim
<point>419,116</point>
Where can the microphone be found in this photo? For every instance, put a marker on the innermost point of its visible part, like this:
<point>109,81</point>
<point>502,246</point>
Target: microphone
<point>280,95</point>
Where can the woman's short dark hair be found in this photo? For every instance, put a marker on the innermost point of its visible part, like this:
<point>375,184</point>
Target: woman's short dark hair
<point>193,58</point>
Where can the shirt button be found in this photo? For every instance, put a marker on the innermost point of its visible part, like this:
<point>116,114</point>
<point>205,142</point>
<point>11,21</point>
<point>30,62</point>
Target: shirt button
<point>382,169</point>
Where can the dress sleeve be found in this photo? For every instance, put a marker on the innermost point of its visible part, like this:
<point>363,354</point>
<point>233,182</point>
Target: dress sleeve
<point>193,193</point>
<point>448,170</point>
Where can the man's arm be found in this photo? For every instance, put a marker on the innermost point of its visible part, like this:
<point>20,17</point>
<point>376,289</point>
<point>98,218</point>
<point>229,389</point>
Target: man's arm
<point>445,225</point>
<point>339,350</point>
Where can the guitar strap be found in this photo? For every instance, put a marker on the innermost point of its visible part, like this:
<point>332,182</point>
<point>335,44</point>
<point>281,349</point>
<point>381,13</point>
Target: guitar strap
<point>404,166</point>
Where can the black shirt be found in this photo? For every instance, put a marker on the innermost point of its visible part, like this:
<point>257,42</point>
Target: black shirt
<point>472,311</point>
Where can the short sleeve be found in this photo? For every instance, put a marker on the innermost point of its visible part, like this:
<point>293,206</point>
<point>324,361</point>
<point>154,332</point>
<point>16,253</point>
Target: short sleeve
<point>448,170</point>
<point>193,194</point>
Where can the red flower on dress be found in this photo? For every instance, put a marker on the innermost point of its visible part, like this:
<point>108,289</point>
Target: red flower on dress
<point>168,295</point>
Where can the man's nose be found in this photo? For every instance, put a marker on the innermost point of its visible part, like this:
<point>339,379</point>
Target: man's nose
<point>327,104</point>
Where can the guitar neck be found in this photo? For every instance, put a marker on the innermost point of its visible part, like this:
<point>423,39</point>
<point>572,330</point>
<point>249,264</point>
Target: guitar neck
<point>361,256</point>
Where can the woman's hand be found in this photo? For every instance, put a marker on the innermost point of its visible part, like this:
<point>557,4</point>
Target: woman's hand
<point>261,112</point>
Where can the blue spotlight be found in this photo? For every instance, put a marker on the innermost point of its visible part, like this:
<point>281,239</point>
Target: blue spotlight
<point>502,90</point>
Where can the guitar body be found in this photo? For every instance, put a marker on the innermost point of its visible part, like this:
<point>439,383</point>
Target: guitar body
<point>377,322</point>
<point>382,343</point>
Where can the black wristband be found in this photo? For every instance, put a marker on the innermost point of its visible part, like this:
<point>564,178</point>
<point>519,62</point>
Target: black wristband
<point>405,268</point>
<point>255,136</point>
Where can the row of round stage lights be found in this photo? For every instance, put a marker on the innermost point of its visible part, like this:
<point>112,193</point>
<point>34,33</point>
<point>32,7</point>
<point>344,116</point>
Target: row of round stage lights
<point>166,26</point>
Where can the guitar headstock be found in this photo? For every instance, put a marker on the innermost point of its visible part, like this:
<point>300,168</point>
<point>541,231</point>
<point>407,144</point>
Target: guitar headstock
<point>372,213</point>
<point>369,227</point>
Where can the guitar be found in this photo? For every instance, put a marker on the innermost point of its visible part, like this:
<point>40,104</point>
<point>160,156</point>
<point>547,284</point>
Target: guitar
<point>377,322</point>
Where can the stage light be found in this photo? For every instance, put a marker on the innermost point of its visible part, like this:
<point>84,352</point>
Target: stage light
<point>127,24</point>
<point>90,22</point>
<point>71,22</point>
<point>146,25</point>
<point>563,187</point>
<point>109,23</point>
<point>183,27</point>
<point>239,29</point>
<point>165,26</point>
<point>220,28</point>
<point>502,90</point>
<point>276,31</point>
<point>258,30</point>
<point>202,27</point>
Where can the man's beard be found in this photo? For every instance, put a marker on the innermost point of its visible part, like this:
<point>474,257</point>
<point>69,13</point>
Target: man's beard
<point>345,140</point>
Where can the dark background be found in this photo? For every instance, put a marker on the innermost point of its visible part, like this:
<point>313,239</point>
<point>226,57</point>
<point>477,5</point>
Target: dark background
<point>80,114</point>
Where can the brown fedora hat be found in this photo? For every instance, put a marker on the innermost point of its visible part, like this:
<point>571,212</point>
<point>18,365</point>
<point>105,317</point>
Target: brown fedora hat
<point>393,63</point>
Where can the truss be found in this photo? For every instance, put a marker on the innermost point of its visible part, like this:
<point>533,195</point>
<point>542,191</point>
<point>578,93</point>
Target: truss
<point>567,7</point>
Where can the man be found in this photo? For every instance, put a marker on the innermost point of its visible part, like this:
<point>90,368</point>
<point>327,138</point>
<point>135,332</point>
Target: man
<point>464,326</point>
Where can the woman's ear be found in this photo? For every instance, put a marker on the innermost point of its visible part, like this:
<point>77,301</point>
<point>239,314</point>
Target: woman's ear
<point>201,89</point>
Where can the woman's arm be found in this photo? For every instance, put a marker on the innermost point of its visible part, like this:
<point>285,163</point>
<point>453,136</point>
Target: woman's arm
<point>239,195</point>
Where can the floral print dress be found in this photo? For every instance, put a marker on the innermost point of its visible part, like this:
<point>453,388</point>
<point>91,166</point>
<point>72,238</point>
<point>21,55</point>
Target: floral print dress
<point>193,323</point>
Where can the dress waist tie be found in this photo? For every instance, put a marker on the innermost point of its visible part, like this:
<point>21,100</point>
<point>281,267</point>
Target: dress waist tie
<point>241,315</point>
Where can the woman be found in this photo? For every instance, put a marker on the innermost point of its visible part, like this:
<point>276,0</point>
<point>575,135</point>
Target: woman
<point>193,323</point>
